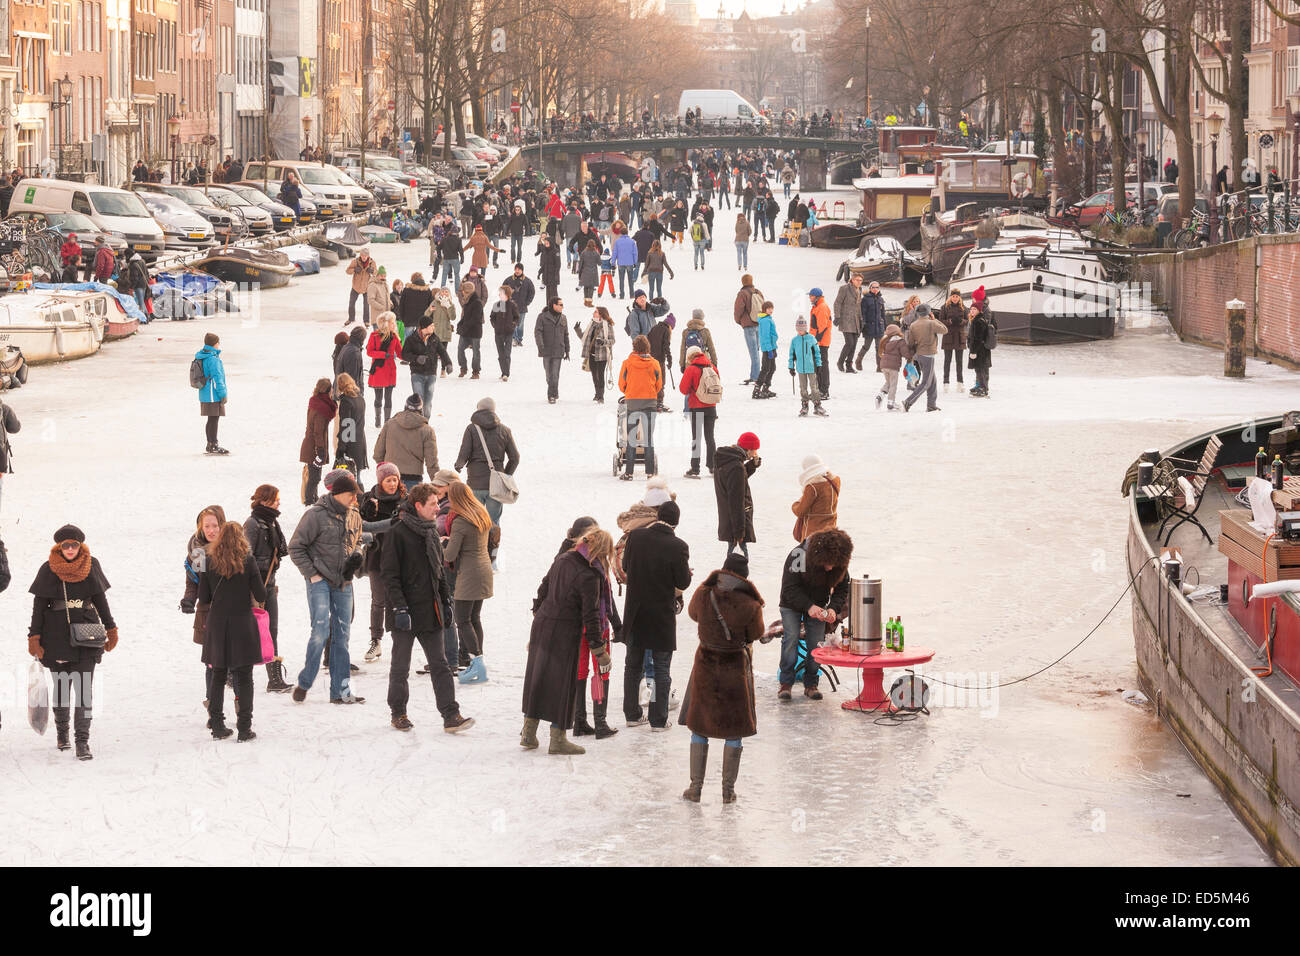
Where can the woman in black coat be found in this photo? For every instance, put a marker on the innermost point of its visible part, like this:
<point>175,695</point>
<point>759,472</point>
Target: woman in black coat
<point>351,444</point>
<point>469,328</point>
<point>379,504</point>
<point>981,356</point>
<point>231,643</point>
<point>573,601</point>
<point>415,301</point>
<point>267,542</point>
<point>70,589</point>
<point>548,250</point>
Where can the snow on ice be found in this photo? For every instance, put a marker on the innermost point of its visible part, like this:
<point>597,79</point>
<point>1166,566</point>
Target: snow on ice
<point>996,525</point>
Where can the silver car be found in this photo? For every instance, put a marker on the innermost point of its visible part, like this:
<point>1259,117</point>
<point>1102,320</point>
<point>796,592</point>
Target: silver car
<point>182,226</point>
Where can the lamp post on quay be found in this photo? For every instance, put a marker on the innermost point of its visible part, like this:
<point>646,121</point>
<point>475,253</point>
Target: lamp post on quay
<point>866,70</point>
<point>1214,125</point>
<point>306,134</point>
<point>64,90</point>
<point>174,135</point>
<point>1095,136</point>
<point>1142,177</point>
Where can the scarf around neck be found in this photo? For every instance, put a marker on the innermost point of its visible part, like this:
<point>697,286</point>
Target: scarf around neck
<point>70,572</point>
<point>429,529</point>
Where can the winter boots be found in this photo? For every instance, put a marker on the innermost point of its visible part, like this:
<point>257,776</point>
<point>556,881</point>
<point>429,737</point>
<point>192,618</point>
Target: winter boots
<point>699,760</point>
<point>580,726</point>
<point>561,745</point>
<point>528,736</point>
<point>81,734</point>
<point>730,770</point>
<point>374,652</point>
<point>275,683</point>
<point>215,449</point>
<point>219,729</point>
<point>803,409</point>
<point>61,728</point>
<point>599,710</point>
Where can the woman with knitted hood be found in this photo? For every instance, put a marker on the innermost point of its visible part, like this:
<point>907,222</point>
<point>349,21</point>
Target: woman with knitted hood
<point>70,589</point>
<point>816,509</point>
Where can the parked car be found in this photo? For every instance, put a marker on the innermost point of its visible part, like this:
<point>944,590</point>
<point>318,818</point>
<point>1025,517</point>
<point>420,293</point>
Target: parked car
<point>468,163</point>
<point>257,219</point>
<point>66,223</point>
<point>328,182</point>
<point>281,215</point>
<point>182,226</point>
<point>115,211</point>
<point>386,190</point>
<point>476,142</point>
<point>225,227</point>
<point>429,176</point>
<point>310,206</point>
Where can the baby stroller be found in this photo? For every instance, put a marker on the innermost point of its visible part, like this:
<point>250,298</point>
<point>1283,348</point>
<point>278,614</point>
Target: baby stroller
<point>625,448</point>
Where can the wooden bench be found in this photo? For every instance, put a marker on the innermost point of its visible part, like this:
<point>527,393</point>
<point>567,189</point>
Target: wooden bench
<point>1180,489</point>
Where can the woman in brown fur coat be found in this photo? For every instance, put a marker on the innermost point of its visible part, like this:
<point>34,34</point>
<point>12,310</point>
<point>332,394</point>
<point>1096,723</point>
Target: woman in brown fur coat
<point>720,698</point>
<point>817,508</point>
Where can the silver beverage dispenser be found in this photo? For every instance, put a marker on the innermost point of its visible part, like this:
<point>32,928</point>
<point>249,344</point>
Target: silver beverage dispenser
<point>864,615</point>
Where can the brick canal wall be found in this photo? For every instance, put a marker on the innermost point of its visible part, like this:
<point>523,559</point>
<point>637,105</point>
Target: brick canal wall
<point>1262,272</point>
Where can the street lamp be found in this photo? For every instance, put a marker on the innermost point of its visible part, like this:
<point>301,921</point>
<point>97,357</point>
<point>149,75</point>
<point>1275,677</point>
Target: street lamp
<point>1095,134</point>
<point>174,134</point>
<point>64,93</point>
<point>866,70</point>
<point>925,99</point>
<point>1214,124</point>
<point>306,133</point>
<point>1142,177</point>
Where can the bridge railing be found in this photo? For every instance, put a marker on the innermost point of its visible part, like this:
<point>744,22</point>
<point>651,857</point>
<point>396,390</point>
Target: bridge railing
<point>867,136</point>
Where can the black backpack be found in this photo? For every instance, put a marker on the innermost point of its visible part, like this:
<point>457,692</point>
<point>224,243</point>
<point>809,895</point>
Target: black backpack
<point>198,378</point>
<point>991,334</point>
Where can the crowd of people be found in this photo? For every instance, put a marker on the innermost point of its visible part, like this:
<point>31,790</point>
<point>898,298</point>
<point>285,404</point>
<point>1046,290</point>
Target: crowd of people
<point>427,537</point>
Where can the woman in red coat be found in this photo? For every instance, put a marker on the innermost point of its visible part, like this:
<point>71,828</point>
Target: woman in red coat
<point>385,349</point>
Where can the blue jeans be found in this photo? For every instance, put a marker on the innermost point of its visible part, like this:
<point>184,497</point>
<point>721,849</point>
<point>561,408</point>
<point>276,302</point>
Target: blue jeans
<point>519,329</point>
<point>331,613</point>
<point>816,630</point>
<point>516,249</point>
<point>450,267</point>
<point>742,255</point>
<point>699,254</point>
<point>408,232</point>
<point>422,385</point>
<point>751,343</point>
<point>139,298</point>
<point>627,273</point>
<point>787,189</point>
<point>731,741</point>
<point>491,504</point>
<point>656,280</point>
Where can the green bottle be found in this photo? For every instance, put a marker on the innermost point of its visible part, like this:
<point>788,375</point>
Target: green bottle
<point>889,635</point>
<point>1261,463</point>
<point>898,635</point>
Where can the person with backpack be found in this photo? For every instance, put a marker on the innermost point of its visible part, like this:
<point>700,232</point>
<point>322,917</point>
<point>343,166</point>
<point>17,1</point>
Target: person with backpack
<point>982,339</point>
<point>700,237</point>
<point>814,596</point>
<point>697,334</point>
<point>748,305</point>
<point>702,387</point>
<point>208,375</point>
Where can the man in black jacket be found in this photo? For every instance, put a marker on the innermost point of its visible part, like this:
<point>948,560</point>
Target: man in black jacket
<point>421,352</point>
<point>522,292</point>
<point>657,563</point>
<point>814,596</point>
<point>414,573</point>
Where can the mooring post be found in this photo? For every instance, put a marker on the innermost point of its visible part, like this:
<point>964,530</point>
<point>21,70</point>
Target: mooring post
<point>1234,340</point>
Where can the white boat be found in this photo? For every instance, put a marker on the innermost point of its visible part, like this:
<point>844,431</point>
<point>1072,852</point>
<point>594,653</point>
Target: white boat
<point>1043,285</point>
<point>53,327</point>
<point>883,259</point>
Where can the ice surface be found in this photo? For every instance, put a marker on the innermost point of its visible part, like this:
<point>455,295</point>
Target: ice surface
<point>996,525</point>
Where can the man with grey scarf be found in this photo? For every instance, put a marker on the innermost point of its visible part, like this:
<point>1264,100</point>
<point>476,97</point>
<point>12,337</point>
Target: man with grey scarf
<point>413,570</point>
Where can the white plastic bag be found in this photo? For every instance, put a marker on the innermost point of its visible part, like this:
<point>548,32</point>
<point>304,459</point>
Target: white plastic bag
<point>1264,515</point>
<point>38,698</point>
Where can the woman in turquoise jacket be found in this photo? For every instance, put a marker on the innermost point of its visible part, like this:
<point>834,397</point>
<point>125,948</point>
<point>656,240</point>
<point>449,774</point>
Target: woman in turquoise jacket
<point>212,396</point>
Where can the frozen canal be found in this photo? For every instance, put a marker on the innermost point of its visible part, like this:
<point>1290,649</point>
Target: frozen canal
<point>996,525</point>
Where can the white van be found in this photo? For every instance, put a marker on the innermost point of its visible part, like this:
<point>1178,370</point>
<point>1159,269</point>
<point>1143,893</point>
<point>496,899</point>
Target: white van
<point>720,106</point>
<point>114,211</point>
<point>328,182</point>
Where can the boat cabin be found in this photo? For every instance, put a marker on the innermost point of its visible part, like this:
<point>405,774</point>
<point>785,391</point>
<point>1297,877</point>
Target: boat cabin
<point>987,179</point>
<point>894,197</point>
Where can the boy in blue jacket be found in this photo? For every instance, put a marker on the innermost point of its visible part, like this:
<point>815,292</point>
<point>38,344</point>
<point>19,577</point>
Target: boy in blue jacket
<point>767,341</point>
<point>805,359</point>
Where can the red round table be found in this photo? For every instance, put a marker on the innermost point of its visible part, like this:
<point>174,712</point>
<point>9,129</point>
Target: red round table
<point>873,695</point>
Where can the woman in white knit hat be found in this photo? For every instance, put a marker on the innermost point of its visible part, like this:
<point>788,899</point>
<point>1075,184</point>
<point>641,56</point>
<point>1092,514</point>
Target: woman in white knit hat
<point>816,510</point>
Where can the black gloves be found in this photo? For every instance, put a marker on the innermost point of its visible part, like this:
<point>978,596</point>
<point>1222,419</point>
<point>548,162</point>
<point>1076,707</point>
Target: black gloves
<point>401,619</point>
<point>352,565</point>
<point>792,373</point>
<point>187,605</point>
